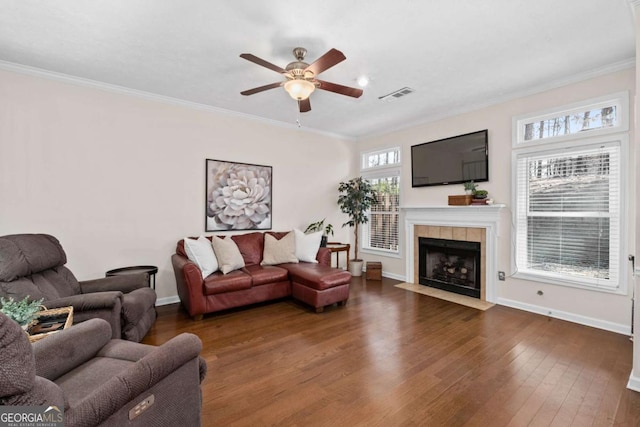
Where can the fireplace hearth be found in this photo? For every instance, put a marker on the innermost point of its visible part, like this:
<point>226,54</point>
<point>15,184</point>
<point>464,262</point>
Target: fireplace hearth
<point>451,265</point>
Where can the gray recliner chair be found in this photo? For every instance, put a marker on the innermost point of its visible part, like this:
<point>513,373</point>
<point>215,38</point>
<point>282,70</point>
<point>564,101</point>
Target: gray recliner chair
<point>33,265</point>
<point>99,381</point>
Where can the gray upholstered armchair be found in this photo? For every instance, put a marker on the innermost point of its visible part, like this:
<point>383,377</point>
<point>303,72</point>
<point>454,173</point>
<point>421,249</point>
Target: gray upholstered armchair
<point>98,380</point>
<point>34,265</point>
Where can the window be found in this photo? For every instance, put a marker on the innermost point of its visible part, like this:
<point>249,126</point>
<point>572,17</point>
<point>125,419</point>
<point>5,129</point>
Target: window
<point>381,232</point>
<point>381,158</point>
<point>568,208</point>
<point>599,116</point>
<point>382,170</point>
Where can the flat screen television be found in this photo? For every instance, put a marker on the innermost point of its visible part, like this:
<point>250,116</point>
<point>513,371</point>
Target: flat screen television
<point>452,160</point>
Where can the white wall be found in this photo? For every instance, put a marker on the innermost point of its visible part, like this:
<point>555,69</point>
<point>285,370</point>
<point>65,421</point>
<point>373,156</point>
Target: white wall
<point>634,378</point>
<point>600,309</point>
<point>119,179</point>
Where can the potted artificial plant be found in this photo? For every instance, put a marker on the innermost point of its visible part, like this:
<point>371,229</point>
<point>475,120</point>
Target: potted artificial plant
<point>320,226</point>
<point>480,194</point>
<point>469,187</point>
<point>22,312</point>
<point>355,199</point>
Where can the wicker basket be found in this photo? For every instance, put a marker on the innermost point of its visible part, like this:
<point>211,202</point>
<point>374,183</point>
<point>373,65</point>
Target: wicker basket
<point>52,312</point>
<point>463,200</point>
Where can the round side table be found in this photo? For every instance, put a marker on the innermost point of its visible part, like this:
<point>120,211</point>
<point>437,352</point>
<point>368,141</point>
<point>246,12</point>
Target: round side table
<point>151,270</point>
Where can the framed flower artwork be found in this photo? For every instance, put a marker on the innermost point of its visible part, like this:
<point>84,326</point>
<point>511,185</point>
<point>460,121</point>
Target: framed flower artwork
<point>238,196</point>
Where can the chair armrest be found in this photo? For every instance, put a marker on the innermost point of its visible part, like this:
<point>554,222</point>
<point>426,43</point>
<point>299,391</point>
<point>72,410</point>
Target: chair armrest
<point>103,305</point>
<point>117,349</point>
<point>173,353</point>
<point>324,256</point>
<point>84,302</point>
<point>61,352</point>
<point>125,283</point>
<point>137,379</point>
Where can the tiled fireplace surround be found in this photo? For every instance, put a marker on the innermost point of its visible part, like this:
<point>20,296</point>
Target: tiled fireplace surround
<point>467,223</point>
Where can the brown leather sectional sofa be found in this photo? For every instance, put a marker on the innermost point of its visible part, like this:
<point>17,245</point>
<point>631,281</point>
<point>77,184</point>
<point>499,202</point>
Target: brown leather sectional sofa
<point>318,285</point>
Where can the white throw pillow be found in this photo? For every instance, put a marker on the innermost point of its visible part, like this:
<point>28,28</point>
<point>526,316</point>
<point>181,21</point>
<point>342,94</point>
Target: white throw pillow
<point>307,245</point>
<point>228,254</point>
<point>201,253</point>
<point>279,251</point>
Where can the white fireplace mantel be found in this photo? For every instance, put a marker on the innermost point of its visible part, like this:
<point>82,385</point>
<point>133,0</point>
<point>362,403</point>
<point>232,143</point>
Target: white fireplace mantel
<point>487,217</point>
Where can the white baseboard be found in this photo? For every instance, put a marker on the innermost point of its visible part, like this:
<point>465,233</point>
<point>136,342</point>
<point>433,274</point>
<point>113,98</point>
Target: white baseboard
<point>387,274</point>
<point>570,317</point>
<point>393,276</point>
<point>634,383</point>
<point>168,300</point>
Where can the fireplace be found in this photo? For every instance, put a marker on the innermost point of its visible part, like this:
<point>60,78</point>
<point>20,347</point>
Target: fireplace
<point>466,223</point>
<point>451,265</point>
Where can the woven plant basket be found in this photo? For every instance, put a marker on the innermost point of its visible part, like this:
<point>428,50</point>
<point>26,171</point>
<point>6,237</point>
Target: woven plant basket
<point>52,312</point>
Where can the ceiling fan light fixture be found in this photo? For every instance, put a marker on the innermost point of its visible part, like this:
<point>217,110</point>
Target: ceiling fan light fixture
<point>301,79</point>
<point>299,89</point>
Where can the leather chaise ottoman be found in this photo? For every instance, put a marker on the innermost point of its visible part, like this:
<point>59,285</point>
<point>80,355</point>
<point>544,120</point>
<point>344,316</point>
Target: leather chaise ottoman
<point>318,285</point>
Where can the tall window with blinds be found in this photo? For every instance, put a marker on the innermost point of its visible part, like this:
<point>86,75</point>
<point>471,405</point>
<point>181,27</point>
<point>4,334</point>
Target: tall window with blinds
<point>382,230</point>
<point>382,169</point>
<point>569,214</point>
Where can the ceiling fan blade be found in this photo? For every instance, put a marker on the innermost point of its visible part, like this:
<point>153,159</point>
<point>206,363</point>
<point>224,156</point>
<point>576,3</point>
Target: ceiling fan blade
<point>259,61</point>
<point>261,88</point>
<point>326,61</point>
<point>304,105</point>
<point>342,90</point>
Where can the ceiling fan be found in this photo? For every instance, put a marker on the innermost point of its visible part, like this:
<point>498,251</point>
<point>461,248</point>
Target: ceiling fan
<point>301,77</point>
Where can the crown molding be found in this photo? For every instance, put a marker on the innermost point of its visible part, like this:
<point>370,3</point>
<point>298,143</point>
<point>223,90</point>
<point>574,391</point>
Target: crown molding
<point>79,81</point>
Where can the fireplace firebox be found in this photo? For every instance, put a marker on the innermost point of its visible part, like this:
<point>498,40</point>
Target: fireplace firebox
<point>451,265</point>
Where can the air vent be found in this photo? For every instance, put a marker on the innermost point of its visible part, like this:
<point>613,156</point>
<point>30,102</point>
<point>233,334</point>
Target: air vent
<point>397,94</point>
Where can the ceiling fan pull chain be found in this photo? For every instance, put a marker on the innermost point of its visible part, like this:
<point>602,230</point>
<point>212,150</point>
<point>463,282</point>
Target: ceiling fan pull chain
<point>298,116</point>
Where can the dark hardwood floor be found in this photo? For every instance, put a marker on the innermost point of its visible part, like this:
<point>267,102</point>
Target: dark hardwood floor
<point>391,357</point>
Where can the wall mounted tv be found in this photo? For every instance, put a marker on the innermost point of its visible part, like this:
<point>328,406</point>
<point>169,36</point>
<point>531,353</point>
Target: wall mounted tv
<point>452,160</point>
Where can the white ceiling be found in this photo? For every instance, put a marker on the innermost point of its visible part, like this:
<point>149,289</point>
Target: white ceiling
<point>456,55</point>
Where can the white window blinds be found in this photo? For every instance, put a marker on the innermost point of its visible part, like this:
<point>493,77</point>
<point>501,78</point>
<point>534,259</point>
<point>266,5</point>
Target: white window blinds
<point>569,213</point>
<point>381,232</point>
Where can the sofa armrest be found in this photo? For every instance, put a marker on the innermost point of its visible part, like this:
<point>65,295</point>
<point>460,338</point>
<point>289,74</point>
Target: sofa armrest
<point>124,283</point>
<point>139,378</point>
<point>324,256</point>
<point>190,285</point>
<point>61,352</point>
